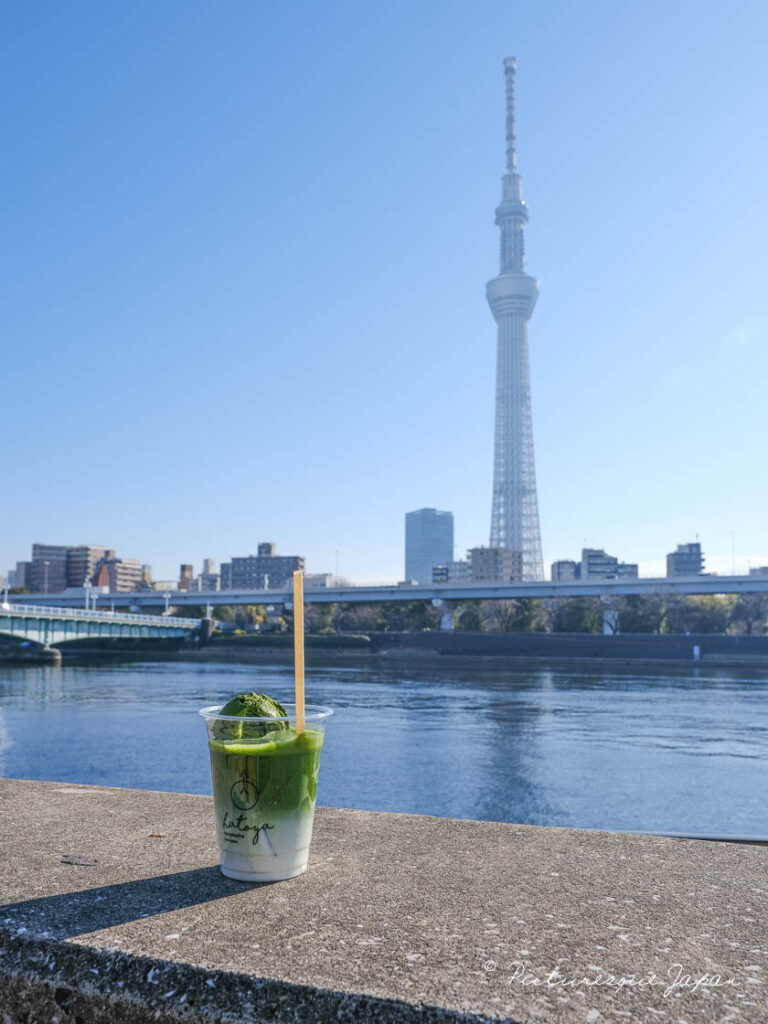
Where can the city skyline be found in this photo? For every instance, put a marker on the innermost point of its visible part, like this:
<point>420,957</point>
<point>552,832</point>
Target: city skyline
<point>161,390</point>
<point>428,540</point>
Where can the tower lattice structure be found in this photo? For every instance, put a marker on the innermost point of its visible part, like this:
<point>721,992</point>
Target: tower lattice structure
<point>512,296</point>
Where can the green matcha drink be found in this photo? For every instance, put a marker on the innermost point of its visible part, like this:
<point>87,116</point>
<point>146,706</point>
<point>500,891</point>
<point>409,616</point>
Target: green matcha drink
<point>264,785</point>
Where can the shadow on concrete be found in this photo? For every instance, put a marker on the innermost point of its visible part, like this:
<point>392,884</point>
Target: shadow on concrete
<point>90,910</point>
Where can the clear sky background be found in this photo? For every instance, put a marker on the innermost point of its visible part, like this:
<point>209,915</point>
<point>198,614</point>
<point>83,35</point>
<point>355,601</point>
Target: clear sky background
<point>243,265</point>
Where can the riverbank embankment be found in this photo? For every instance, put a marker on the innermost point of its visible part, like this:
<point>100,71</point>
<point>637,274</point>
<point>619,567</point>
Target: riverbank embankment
<point>32,655</point>
<point>494,649</point>
<point>113,909</point>
<point>497,647</point>
<point>95,649</point>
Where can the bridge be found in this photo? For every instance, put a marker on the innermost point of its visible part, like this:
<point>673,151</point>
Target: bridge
<point>447,592</point>
<point>45,625</point>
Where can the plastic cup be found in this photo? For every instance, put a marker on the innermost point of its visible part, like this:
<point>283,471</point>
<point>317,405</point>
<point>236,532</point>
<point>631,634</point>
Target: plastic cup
<point>264,789</point>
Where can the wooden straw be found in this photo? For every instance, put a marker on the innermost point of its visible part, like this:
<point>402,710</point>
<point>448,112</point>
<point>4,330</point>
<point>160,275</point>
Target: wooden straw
<point>298,646</point>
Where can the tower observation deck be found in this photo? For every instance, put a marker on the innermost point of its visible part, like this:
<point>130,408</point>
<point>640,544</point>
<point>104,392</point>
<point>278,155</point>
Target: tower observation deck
<point>512,296</point>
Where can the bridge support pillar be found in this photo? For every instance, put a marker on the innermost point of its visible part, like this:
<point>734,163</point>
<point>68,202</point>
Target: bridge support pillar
<point>446,612</point>
<point>610,614</point>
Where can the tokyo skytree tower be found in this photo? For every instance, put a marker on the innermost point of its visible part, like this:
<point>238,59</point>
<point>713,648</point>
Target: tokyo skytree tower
<point>512,296</point>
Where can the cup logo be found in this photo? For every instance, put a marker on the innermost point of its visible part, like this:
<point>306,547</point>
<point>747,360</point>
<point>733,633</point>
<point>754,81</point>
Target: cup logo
<point>244,793</point>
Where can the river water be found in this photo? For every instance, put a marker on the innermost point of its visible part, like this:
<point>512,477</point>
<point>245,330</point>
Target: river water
<point>664,749</point>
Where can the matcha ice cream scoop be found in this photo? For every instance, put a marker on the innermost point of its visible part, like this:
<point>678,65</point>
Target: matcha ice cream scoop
<point>252,705</point>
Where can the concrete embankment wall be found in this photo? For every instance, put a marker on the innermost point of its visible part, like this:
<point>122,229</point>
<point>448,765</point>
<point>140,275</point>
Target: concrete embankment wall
<point>628,646</point>
<point>499,647</point>
<point>34,655</point>
<point>544,646</point>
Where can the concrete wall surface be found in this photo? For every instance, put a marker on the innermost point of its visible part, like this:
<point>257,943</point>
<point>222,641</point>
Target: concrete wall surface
<point>113,909</point>
<point>713,647</point>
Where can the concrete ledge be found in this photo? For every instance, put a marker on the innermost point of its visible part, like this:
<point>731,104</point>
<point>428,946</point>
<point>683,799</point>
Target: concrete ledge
<point>113,909</point>
<point>55,982</point>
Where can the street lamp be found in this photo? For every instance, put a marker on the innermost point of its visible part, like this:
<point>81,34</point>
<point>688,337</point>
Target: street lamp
<point>167,597</point>
<point>45,576</point>
<point>87,587</point>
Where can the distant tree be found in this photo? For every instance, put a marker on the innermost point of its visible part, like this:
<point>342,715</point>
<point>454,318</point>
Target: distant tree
<point>189,611</point>
<point>698,614</point>
<point>577,615</point>
<point>642,613</point>
<point>408,616</point>
<point>535,614</point>
<point>386,616</point>
<point>319,618</point>
<point>500,616</point>
<point>677,614</point>
<point>749,613</point>
<point>520,615</point>
<point>469,617</point>
<point>356,618</point>
<point>249,615</point>
<point>551,605</point>
<point>242,615</point>
<point>18,590</point>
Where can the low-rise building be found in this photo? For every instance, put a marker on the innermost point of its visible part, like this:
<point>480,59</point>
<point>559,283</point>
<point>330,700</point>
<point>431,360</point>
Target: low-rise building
<point>565,570</point>
<point>489,565</point>
<point>688,560</point>
<point>21,575</point>
<point>265,570</point>
<point>596,564</point>
<point>459,571</point>
<point>225,576</point>
<point>205,583</point>
<point>119,574</point>
<point>482,565</point>
<point>164,585</point>
<point>317,580</point>
<point>47,572</point>
<point>82,561</point>
<point>55,568</point>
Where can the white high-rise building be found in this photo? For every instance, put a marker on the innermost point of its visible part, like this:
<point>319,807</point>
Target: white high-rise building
<point>512,296</point>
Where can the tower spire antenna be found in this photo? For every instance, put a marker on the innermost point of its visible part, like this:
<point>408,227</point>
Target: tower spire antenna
<point>510,70</point>
<point>512,295</point>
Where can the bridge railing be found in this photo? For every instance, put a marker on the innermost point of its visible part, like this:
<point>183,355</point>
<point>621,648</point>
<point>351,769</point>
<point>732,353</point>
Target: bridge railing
<point>50,612</point>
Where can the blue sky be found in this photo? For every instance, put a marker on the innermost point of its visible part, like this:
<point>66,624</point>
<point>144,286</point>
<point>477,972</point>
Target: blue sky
<point>244,257</point>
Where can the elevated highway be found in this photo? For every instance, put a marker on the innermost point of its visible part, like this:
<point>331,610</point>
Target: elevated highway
<point>434,592</point>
